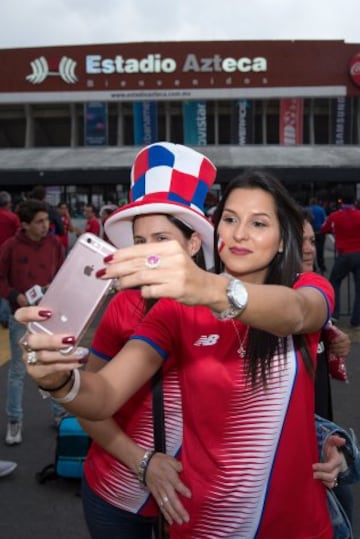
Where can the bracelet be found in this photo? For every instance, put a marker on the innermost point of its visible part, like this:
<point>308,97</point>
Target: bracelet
<point>143,466</point>
<point>73,392</point>
<point>63,384</point>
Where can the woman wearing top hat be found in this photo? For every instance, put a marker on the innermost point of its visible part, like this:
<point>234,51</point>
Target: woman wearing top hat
<point>249,440</point>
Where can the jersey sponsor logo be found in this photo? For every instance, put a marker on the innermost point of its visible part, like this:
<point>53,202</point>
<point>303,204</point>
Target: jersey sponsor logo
<point>207,340</point>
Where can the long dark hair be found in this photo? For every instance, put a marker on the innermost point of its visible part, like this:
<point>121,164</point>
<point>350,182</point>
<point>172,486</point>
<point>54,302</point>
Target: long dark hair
<point>283,269</point>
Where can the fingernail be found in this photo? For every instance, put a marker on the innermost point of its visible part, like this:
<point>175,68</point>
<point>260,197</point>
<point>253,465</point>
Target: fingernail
<point>45,314</point>
<point>68,340</point>
<point>100,273</point>
<point>108,258</point>
<point>81,353</point>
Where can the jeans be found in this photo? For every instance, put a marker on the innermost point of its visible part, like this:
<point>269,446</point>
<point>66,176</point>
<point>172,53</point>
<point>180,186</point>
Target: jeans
<point>16,375</point>
<point>344,265</point>
<point>106,520</point>
<point>4,310</point>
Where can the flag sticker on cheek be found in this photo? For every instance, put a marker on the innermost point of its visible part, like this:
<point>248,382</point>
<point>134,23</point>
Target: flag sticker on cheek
<point>220,245</point>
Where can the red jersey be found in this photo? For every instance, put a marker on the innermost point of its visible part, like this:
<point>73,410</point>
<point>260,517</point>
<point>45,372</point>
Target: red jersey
<point>108,477</point>
<point>93,226</point>
<point>247,453</point>
<point>25,263</point>
<point>345,225</point>
<point>9,224</point>
<point>64,238</point>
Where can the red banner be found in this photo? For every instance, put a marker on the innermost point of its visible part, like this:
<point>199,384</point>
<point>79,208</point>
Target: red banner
<point>291,121</point>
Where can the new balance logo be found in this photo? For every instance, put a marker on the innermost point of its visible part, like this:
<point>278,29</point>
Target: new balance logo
<point>207,340</point>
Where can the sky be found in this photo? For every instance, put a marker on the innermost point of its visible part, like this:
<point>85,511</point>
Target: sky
<point>32,23</point>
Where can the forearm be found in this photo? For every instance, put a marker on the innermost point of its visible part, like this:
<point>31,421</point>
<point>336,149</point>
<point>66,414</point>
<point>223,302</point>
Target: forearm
<point>92,400</point>
<point>297,311</point>
<point>109,436</point>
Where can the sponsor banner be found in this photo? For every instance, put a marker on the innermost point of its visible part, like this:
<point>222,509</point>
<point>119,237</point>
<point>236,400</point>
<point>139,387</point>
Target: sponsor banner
<point>291,121</point>
<point>95,124</point>
<point>341,115</point>
<point>242,122</point>
<point>145,122</point>
<point>195,123</point>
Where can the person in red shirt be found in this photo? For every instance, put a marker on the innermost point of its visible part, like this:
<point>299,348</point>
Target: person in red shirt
<point>92,224</point>
<point>9,224</point>
<point>67,223</point>
<point>31,257</point>
<point>247,390</point>
<point>9,221</point>
<point>344,224</point>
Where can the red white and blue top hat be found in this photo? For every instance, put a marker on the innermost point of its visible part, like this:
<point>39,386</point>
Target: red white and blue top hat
<point>169,179</point>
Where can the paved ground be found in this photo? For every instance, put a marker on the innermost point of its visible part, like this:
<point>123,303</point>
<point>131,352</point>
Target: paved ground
<point>53,510</point>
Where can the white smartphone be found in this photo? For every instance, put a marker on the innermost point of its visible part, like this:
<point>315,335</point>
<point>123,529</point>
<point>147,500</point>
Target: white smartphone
<point>75,294</point>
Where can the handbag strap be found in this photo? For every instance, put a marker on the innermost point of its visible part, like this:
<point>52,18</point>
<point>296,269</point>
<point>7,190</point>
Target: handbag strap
<point>159,435</point>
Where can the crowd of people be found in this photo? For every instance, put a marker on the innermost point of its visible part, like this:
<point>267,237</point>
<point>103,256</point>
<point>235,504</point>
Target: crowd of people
<point>231,313</point>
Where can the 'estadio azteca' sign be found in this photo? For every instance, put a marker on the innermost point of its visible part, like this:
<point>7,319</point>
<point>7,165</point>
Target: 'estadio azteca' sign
<point>152,63</point>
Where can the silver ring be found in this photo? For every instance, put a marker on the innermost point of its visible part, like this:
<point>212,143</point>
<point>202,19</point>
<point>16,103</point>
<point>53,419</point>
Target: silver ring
<point>26,346</point>
<point>165,499</point>
<point>161,504</point>
<point>31,358</point>
<point>152,261</point>
<point>336,483</point>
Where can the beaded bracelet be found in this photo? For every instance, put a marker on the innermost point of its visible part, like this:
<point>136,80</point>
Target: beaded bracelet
<point>143,466</point>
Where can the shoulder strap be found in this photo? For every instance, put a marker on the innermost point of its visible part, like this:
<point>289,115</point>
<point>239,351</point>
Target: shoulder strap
<point>159,435</point>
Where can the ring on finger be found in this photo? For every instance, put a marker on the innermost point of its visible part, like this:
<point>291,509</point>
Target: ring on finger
<point>165,499</point>
<point>152,261</point>
<point>26,346</point>
<point>31,358</point>
<point>336,483</point>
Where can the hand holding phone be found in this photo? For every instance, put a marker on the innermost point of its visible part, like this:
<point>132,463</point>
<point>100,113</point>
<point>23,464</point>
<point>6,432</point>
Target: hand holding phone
<point>75,294</point>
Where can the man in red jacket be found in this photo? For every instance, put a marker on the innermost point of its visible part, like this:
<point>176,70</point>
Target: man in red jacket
<point>344,224</point>
<point>31,257</point>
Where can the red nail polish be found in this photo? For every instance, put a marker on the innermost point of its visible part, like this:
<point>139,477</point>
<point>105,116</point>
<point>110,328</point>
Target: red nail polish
<point>108,258</point>
<point>68,340</point>
<point>45,314</point>
<point>100,273</point>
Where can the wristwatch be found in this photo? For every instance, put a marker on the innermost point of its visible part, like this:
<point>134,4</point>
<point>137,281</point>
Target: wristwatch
<point>237,296</point>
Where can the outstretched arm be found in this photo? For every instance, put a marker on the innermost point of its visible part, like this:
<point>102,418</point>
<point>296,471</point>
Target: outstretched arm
<point>99,394</point>
<point>175,275</point>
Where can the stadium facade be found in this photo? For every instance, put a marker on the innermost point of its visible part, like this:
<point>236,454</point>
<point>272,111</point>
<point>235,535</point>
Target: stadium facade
<point>73,117</point>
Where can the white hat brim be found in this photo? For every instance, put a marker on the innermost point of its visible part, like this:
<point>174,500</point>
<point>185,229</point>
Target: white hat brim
<point>119,226</point>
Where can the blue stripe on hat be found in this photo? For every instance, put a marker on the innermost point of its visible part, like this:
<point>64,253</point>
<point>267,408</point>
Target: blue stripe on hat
<point>202,190</point>
<point>138,189</point>
<point>173,197</point>
<point>160,156</point>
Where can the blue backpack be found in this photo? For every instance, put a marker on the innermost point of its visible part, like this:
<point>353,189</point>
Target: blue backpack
<point>72,444</point>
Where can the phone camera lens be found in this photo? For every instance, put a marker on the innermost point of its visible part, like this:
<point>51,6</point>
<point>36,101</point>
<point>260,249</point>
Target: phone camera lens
<point>89,240</point>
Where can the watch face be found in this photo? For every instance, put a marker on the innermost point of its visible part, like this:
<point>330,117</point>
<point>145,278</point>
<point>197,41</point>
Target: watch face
<point>238,294</point>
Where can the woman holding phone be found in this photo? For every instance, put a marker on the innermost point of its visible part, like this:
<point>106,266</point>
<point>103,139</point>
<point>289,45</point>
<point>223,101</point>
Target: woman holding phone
<point>247,390</point>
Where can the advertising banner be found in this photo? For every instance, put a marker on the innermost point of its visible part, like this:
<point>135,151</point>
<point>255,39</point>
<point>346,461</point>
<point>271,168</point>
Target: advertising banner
<point>195,123</point>
<point>145,122</point>
<point>341,114</point>
<point>291,121</point>
<point>95,124</point>
<point>242,122</point>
